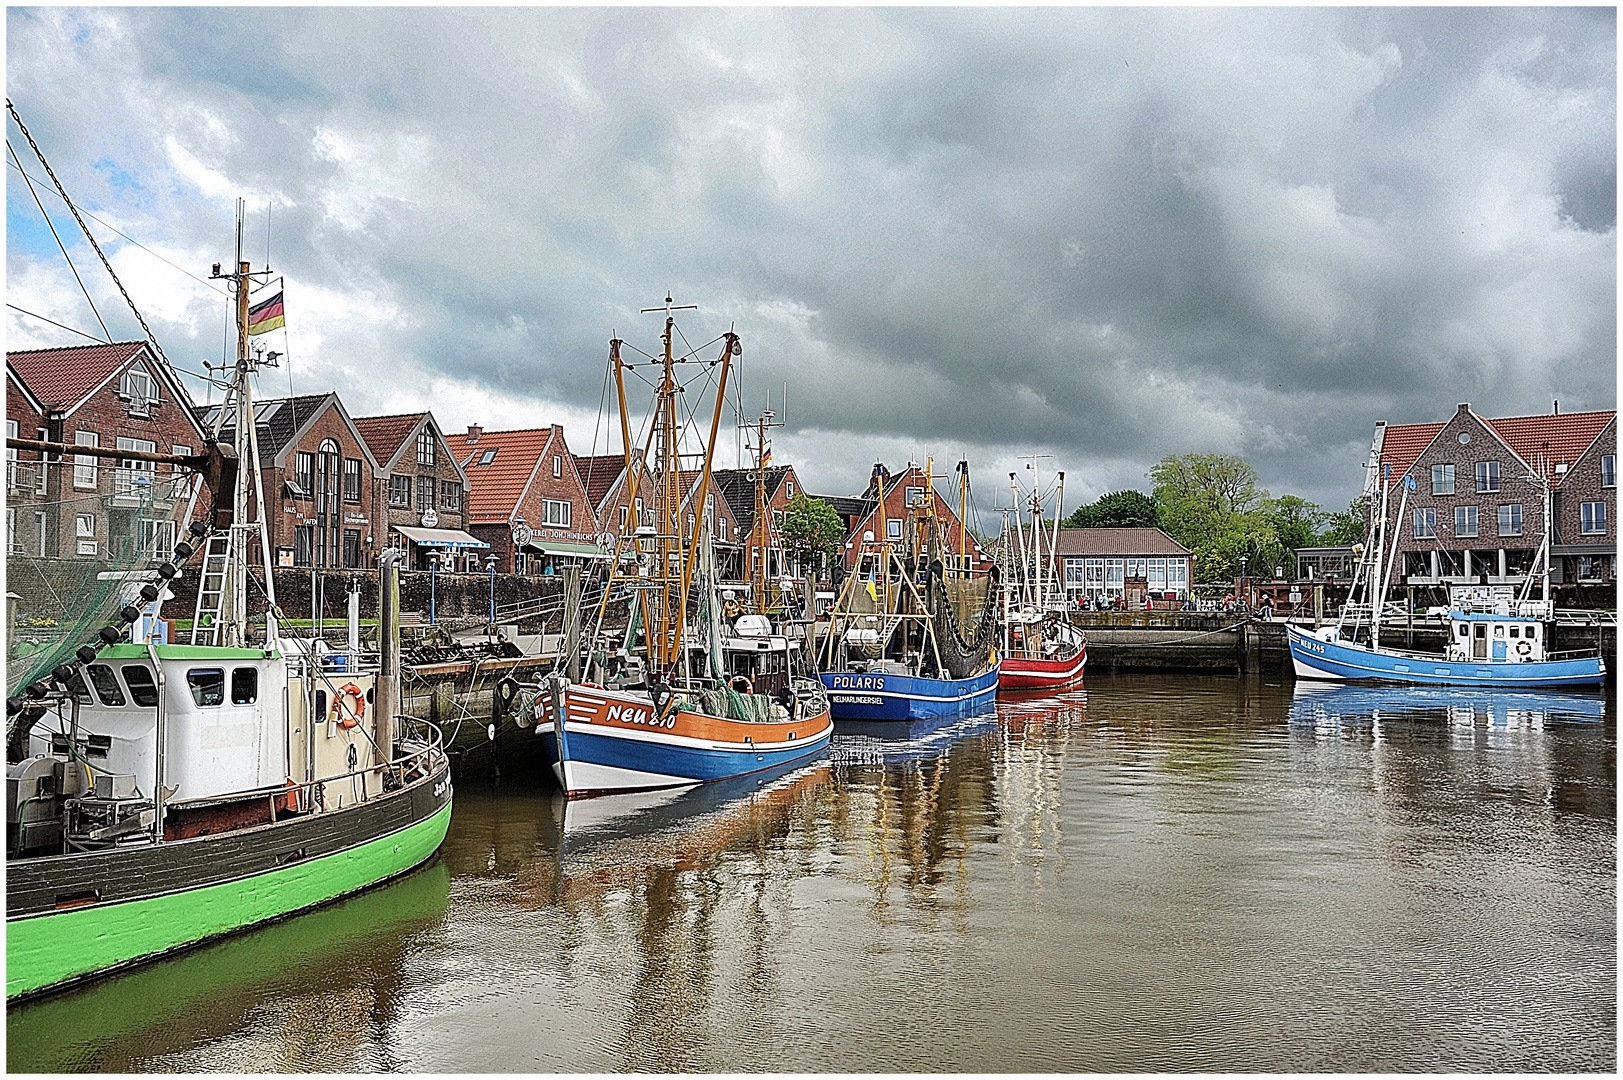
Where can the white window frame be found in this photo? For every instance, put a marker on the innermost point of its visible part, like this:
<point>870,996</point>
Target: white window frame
<point>1442,478</point>
<point>893,529</point>
<point>84,533</point>
<point>143,398</point>
<point>555,512</point>
<point>1466,520</point>
<point>1487,477</point>
<point>1510,518</point>
<point>1608,470</point>
<point>1592,519</point>
<point>557,467</point>
<point>130,469</point>
<point>1425,522</point>
<point>84,466</point>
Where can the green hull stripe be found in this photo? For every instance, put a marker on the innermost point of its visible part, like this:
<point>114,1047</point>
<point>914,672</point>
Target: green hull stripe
<point>45,950</point>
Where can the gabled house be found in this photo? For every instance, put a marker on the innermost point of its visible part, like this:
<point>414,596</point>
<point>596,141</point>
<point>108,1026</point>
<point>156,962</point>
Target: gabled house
<point>610,493</point>
<point>907,488</point>
<point>1134,564</point>
<point>422,496</point>
<point>526,499</point>
<point>117,395</point>
<point>1474,512</point>
<point>737,487</point>
<point>320,480</point>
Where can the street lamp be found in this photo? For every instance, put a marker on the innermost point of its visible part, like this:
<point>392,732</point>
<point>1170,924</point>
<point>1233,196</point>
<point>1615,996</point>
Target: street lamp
<point>490,565</point>
<point>433,563</point>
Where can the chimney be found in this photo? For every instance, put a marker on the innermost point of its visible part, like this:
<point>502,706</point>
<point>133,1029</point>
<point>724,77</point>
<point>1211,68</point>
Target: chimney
<point>474,431</point>
<point>1556,408</point>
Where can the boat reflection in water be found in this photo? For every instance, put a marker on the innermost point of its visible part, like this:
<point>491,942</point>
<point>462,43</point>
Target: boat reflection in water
<point>1321,705</point>
<point>324,991</point>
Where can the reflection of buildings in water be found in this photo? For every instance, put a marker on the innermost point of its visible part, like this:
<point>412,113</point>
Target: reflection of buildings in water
<point>1035,738</point>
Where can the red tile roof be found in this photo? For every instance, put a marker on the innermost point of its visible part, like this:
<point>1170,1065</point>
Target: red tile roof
<point>1557,437</point>
<point>598,474</point>
<point>494,489</point>
<point>60,378</point>
<point>1100,542</point>
<point>384,434</point>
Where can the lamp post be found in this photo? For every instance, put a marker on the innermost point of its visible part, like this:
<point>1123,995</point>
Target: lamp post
<point>433,563</point>
<point>490,564</point>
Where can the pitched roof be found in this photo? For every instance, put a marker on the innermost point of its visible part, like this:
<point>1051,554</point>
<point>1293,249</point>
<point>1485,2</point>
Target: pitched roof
<point>1117,542</point>
<point>1556,436</point>
<point>737,486</point>
<point>276,421</point>
<point>494,488</point>
<point>384,434</point>
<point>60,378</point>
<point>599,474</point>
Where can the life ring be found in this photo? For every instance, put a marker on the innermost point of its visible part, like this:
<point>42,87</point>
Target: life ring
<point>741,684</point>
<point>355,699</point>
<point>1524,648</point>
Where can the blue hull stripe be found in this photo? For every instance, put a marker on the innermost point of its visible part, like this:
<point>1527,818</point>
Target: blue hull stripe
<point>686,763</point>
<point>1314,658</point>
<point>857,696</point>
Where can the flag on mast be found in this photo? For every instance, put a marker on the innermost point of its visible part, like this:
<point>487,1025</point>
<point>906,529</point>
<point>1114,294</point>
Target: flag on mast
<point>766,457</point>
<point>266,316</point>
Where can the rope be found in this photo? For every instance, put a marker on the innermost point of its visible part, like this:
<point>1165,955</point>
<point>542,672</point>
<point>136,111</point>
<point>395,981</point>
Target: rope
<point>107,335</point>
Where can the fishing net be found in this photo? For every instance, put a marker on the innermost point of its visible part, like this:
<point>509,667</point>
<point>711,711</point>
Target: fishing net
<point>73,562</point>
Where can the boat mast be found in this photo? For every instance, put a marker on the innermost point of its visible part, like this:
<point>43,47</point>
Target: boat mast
<point>1053,550</point>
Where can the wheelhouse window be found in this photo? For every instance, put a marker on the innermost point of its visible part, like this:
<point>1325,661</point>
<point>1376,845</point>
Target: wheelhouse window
<point>107,688</point>
<point>244,685</point>
<point>1510,519</point>
<point>207,686</point>
<point>1442,479</point>
<point>1487,476</point>
<point>143,691</point>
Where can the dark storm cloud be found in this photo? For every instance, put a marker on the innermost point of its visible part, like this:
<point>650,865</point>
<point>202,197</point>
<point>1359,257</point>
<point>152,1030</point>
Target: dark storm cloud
<point>1108,234</point>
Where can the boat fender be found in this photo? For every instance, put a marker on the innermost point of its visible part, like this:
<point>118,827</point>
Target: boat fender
<point>741,684</point>
<point>1523,648</point>
<point>506,692</point>
<point>349,706</point>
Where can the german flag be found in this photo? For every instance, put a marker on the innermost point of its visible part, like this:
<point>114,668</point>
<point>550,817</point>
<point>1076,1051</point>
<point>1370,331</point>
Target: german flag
<point>266,316</point>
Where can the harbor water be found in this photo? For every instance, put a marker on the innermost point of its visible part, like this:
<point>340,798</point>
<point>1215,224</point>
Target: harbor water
<point>1153,873</point>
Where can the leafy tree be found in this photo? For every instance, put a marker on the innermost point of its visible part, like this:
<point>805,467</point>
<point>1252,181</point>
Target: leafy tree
<point>1116,510</point>
<point>812,531</point>
<point>1346,527</point>
<point>1212,505</point>
<point>1296,525</point>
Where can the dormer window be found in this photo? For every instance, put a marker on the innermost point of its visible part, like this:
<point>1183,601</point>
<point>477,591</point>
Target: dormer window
<point>488,456</point>
<point>139,388</point>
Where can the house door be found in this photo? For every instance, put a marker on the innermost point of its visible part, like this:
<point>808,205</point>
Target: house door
<point>1479,641</point>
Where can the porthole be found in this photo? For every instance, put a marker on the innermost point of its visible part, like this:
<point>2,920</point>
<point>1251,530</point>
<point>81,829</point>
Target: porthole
<point>1465,437</point>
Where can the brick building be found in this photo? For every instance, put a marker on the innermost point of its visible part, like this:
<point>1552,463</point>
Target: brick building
<point>1134,564</point>
<point>901,491</point>
<point>1475,510</point>
<point>320,478</point>
<point>119,396</point>
<point>604,477</point>
<point>423,492</point>
<point>527,478</point>
<point>737,487</point>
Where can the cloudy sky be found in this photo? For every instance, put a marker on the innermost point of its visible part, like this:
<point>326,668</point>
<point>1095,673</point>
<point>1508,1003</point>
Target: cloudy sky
<point>1105,235</point>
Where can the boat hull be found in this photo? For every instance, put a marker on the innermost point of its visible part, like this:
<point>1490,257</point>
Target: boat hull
<point>74,917</point>
<point>1316,658</point>
<point>874,697</point>
<point>612,742</point>
<point>1022,673</point>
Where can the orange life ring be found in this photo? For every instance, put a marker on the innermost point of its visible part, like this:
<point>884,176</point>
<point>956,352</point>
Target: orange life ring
<point>349,706</point>
<point>747,687</point>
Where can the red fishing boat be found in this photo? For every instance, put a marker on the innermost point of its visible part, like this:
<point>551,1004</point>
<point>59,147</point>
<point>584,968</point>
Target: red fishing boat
<point>1042,651</point>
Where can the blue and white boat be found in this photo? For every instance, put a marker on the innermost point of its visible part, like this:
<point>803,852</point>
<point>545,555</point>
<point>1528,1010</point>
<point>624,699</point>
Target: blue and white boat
<point>882,695</point>
<point>1484,650</point>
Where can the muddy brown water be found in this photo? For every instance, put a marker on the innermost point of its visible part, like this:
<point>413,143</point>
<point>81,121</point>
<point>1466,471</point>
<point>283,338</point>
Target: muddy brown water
<point>1155,873</point>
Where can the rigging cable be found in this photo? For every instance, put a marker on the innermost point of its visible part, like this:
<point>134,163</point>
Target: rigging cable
<point>53,322</point>
<point>151,338</point>
<point>107,334</point>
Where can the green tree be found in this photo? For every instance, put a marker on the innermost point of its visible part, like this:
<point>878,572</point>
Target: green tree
<point>1212,505</point>
<point>812,531</point>
<point>1116,510</point>
<point>1347,527</point>
<point>1296,524</point>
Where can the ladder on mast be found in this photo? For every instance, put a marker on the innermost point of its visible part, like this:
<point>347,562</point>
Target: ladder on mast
<point>211,586</point>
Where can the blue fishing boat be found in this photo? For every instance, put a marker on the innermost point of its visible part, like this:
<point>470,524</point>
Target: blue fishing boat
<point>1334,706</point>
<point>895,653</point>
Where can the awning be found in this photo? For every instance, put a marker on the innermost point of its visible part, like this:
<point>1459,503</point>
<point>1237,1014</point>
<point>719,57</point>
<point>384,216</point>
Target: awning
<point>574,551</point>
<point>439,538</point>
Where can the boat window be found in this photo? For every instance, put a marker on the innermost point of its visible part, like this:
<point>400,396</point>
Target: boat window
<point>101,677</point>
<point>207,685</point>
<point>1464,629</point>
<point>321,704</point>
<point>80,691</point>
<point>1531,632</point>
<point>143,691</point>
<point>244,685</point>
<point>1515,631</point>
<point>1498,631</point>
